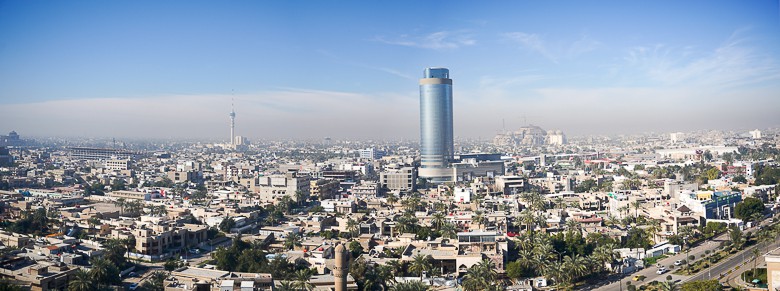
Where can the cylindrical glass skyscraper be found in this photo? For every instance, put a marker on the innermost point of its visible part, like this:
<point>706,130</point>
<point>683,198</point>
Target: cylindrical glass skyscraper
<point>436,143</point>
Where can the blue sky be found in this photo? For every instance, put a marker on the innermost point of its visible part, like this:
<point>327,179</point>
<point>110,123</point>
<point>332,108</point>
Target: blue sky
<point>170,68</point>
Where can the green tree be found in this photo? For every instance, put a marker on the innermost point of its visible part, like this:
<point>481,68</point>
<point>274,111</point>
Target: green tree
<point>448,230</point>
<point>104,272</point>
<point>437,220</point>
<point>285,286</point>
<point>114,252</point>
<point>739,179</point>
<point>637,238</point>
<point>118,184</point>
<point>81,281</point>
<point>302,279</point>
<point>669,286</point>
<point>227,224</point>
<point>480,276</point>
<point>173,264</point>
<point>515,270</point>
<point>702,285</point>
<point>737,240</point>
<point>410,286</point>
<point>712,174</point>
<point>292,240</point>
<point>355,249</point>
<point>746,209</point>
<point>420,264</point>
<point>586,186</point>
<point>353,227</point>
<point>155,282</point>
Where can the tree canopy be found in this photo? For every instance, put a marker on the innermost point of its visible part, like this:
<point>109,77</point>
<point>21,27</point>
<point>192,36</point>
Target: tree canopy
<point>748,208</point>
<point>703,285</point>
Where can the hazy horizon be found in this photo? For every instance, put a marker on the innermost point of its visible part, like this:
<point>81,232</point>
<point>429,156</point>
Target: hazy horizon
<point>345,70</point>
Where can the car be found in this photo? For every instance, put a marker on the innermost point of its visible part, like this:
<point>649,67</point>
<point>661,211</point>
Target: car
<point>677,262</point>
<point>133,286</point>
<point>661,270</point>
<point>639,278</point>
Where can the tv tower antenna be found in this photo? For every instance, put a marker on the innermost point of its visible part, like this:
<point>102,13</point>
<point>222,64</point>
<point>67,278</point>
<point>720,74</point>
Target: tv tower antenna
<point>232,122</point>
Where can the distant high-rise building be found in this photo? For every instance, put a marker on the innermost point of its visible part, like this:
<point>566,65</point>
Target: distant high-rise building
<point>436,133</point>
<point>371,154</point>
<point>240,141</point>
<point>676,137</point>
<point>756,134</point>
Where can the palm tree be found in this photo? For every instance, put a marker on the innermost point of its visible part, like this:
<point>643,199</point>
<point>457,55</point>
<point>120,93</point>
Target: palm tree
<point>736,237</point>
<point>527,218</point>
<point>352,227</point>
<point>448,230</point>
<point>300,197</point>
<point>391,200</point>
<point>104,272</point>
<point>526,258</point>
<point>302,278</point>
<point>559,202</point>
<point>478,218</point>
<point>480,276</point>
<point>412,203</point>
<point>755,252</point>
<point>605,254</point>
<point>420,264</point>
<point>155,281</point>
<point>575,267</point>
<point>636,204</point>
<point>396,266</point>
<point>410,286</point>
<point>541,220</point>
<point>121,203</point>
<point>554,270</point>
<point>437,220</point>
<point>572,225</point>
<point>654,229</point>
<point>81,281</point>
<point>285,286</point>
<point>385,275</point>
<point>406,223</point>
<point>292,240</point>
<point>668,286</point>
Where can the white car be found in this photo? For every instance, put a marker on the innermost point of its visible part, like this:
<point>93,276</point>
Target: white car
<point>661,270</point>
<point>677,262</point>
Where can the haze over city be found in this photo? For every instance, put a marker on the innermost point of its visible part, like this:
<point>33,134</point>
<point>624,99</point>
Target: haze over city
<point>350,70</point>
<point>395,145</point>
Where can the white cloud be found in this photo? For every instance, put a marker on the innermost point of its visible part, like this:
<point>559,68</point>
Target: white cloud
<point>553,51</point>
<point>439,40</point>
<point>532,42</point>
<point>730,65</point>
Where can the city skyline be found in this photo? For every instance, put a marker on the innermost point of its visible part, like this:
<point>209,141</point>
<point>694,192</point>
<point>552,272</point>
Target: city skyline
<point>66,69</point>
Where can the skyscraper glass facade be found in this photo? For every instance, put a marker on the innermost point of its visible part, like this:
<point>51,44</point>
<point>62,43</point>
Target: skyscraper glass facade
<point>436,134</point>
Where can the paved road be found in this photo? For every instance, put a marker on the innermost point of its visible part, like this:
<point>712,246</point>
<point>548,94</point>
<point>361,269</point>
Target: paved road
<point>743,259</point>
<point>744,256</point>
<point>650,272</point>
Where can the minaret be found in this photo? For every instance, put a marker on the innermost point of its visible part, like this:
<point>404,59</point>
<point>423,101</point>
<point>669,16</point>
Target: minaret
<point>232,124</point>
<point>342,267</point>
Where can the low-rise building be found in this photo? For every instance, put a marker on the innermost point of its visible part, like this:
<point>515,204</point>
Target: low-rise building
<point>399,179</point>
